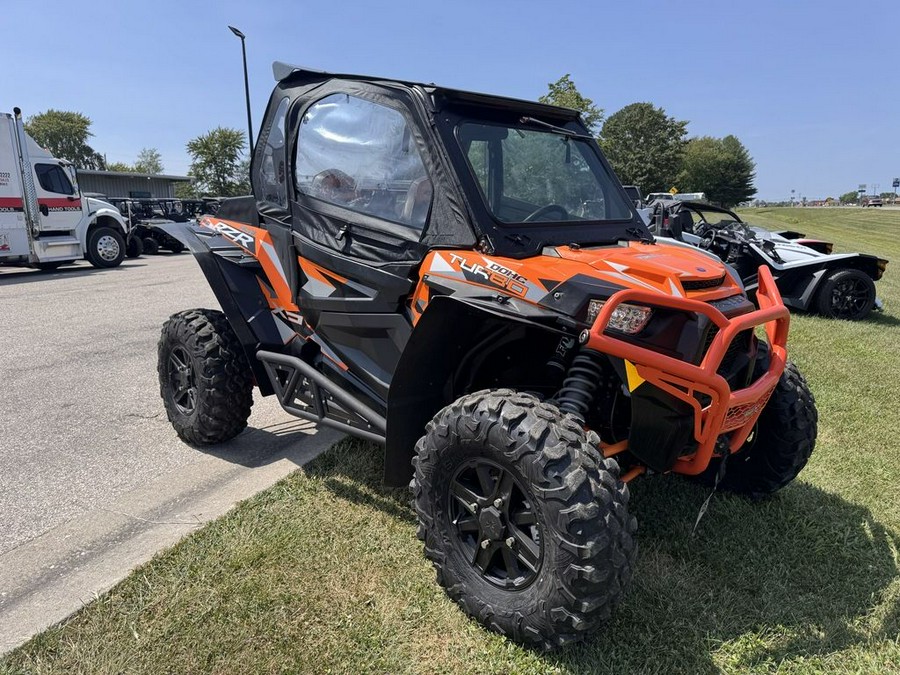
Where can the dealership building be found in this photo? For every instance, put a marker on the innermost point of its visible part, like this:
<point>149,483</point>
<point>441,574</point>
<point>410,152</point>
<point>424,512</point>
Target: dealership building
<point>127,184</point>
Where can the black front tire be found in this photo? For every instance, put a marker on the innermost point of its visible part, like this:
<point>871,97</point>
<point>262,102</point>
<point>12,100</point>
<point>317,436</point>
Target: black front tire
<point>847,294</point>
<point>559,546</point>
<point>175,246</point>
<point>204,378</point>
<point>781,443</point>
<point>105,247</point>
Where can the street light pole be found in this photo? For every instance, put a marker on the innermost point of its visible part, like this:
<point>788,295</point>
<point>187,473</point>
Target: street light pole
<point>246,84</point>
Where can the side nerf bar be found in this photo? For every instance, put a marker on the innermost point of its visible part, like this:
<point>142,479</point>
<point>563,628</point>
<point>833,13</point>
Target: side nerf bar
<point>734,411</point>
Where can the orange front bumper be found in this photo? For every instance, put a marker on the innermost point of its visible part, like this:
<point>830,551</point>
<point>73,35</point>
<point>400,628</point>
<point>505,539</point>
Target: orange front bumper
<point>734,411</point>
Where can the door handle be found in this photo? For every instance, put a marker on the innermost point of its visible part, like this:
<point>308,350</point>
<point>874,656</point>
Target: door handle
<point>44,210</point>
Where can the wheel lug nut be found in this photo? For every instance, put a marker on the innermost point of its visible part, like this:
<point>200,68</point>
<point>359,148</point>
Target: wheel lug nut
<point>473,507</point>
<point>498,503</point>
<point>510,542</point>
<point>485,543</point>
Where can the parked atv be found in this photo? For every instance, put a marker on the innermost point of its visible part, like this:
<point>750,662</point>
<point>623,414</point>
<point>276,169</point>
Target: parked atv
<point>146,217</point>
<point>461,278</point>
<point>809,276</point>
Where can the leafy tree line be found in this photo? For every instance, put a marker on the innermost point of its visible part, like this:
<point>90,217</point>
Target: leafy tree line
<point>218,163</point>
<point>648,148</point>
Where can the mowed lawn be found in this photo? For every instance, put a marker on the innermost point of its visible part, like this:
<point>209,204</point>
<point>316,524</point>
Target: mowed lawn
<point>323,573</point>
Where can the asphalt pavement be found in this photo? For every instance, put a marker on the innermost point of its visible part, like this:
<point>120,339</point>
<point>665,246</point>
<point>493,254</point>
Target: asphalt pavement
<point>93,480</point>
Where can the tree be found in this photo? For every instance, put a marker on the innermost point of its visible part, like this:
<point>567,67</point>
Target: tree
<point>120,166</point>
<point>850,197</point>
<point>564,93</point>
<point>148,161</point>
<point>644,146</point>
<point>720,167</point>
<point>65,135</point>
<point>217,167</point>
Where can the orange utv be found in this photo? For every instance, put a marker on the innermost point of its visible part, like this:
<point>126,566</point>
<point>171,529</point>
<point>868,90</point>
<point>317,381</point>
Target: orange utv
<point>461,278</point>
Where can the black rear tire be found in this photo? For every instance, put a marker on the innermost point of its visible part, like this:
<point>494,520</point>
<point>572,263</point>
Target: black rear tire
<point>151,246</point>
<point>134,248</point>
<point>781,443</point>
<point>204,378</point>
<point>105,247</point>
<point>560,544</point>
<point>174,245</point>
<point>846,294</point>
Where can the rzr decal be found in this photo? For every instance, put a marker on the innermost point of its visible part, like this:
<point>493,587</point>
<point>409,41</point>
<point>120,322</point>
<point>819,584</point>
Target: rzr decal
<point>243,239</point>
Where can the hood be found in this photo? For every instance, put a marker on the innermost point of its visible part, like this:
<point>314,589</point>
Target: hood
<point>564,279</point>
<point>95,204</point>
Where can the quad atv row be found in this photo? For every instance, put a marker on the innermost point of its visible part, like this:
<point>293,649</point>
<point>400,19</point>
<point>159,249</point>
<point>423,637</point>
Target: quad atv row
<point>810,277</point>
<point>146,217</point>
<point>461,278</point>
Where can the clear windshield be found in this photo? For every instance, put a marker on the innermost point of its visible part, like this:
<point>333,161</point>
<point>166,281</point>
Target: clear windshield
<point>535,175</point>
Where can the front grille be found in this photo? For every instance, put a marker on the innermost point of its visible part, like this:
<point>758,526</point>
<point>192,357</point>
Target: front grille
<point>700,284</point>
<point>740,345</point>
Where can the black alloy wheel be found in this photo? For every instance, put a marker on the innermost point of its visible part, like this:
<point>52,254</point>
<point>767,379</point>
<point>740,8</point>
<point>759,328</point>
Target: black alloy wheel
<point>495,524</point>
<point>182,381</point>
<point>851,296</point>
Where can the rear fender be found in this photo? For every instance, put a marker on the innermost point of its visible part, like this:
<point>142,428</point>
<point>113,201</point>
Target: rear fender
<point>446,339</point>
<point>234,279</point>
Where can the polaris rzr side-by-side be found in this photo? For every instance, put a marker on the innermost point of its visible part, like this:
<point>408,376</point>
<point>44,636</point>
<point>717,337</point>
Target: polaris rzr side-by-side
<point>809,276</point>
<point>461,278</point>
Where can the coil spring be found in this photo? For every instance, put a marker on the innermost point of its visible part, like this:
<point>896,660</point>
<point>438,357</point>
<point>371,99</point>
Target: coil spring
<point>580,385</point>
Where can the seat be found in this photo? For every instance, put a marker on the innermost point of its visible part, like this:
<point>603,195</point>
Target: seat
<point>418,200</point>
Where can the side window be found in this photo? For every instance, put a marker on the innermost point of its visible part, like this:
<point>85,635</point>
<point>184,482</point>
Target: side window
<point>272,176</point>
<point>361,155</point>
<point>53,179</point>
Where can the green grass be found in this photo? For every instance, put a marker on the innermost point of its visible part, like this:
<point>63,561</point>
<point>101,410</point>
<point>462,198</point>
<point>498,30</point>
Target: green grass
<point>322,573</point>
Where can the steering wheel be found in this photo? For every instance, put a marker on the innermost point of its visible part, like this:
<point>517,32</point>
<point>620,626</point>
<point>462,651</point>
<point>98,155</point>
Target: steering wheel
<point>534,215</point>
<point>707,234</point>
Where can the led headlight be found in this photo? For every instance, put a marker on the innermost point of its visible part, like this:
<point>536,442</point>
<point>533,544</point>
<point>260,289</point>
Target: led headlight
<point>625,318</point>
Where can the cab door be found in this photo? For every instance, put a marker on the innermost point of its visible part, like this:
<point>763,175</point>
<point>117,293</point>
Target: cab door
<point>58,198</point>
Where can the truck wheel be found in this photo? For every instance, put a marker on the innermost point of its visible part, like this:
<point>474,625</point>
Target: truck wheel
<point>781,443</point>
<point>151,246</point>
<point>526,524</point>
<point>847,294</point>
<point>175,246</point>
<point>105,247</point>
<point>204,378</point>
<point>134,248</point>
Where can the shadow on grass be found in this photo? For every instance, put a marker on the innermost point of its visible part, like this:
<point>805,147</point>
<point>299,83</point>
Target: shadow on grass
<point>883,319</point>
<point>795,575</point>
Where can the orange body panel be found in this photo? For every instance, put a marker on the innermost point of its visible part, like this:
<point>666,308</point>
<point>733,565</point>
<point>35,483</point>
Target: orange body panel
<point>652,267</point>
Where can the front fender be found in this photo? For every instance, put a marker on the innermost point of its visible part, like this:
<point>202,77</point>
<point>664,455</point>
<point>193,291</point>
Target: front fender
<point>448,330</point>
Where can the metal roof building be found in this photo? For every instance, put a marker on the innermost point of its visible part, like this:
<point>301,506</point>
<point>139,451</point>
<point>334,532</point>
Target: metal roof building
<point>126,184</point>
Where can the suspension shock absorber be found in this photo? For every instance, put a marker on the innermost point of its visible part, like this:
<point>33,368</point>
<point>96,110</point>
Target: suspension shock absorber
<point>581,383</point>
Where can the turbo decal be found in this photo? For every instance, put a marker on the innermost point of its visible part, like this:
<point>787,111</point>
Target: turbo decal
<point>483,271</point>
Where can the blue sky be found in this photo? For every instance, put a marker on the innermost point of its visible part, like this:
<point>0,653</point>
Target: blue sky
<point>809,87</point>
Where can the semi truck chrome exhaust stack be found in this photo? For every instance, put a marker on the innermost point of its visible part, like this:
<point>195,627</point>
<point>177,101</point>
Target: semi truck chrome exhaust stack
<point>32,210</point>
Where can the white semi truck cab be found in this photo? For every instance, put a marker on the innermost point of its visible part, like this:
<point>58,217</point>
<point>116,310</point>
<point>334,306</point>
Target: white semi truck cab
<point>45,221</point>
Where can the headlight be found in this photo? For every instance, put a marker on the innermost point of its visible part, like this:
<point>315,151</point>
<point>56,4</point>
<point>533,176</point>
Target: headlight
<point>625,318</point>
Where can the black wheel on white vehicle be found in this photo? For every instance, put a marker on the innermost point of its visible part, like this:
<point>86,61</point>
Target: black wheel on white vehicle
<point>105,247</point>
<point>847,294</point>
